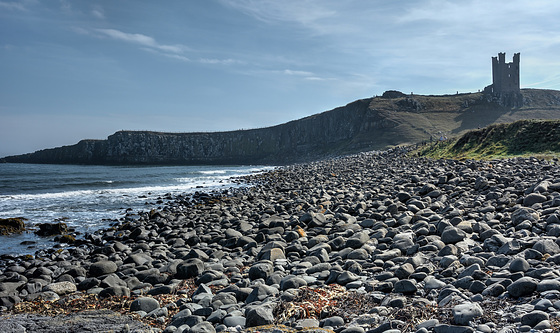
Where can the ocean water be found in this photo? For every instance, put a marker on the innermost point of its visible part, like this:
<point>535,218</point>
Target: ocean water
<point>89,198</point>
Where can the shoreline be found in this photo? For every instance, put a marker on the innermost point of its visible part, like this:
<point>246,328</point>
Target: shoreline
<point>90,198</point>
<point>420,245</point>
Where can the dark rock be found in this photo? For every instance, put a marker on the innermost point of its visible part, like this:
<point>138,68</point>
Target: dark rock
<point>114,291</point>
<point>533,318</point>
<point>334,321</point>
<point>260,271</point>
<point>522,287</point>
<point>189,268</point>
<point>292,281</point>
<point>50,229</point>
<point>533,198</point>
<point>524,214</point>
<point>185,319</point>
<point>405,287</point>
<point>10,226</point>
<point>547,246</point>
<point>519,265</point>
<point>102,268</point>
<point>233,321</point>
<point>452,235</point>
<point>88,283</point>
<point>259,316</point>
<point>146,304</point>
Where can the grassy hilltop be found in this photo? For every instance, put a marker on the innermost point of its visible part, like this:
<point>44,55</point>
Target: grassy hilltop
<point>521,138</point>
<point>415,118</point>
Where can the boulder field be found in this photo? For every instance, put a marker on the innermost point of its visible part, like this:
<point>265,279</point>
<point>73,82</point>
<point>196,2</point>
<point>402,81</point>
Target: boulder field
<point>375,242</point>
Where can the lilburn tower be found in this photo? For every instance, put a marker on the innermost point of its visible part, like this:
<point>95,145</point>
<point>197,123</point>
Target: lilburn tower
<point>505,87</point>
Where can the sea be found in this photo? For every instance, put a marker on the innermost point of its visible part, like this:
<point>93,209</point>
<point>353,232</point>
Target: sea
<point>89,198</point>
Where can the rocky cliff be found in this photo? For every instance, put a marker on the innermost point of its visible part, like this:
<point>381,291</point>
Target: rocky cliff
<point>367,124</point>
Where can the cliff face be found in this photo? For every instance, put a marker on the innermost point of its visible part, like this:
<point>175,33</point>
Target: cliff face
<point>327,133</point>
<point>367,124</point>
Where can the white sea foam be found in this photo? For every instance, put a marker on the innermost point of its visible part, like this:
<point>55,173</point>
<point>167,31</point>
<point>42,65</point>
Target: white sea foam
<point>213,172</point>
<point>88,198</point>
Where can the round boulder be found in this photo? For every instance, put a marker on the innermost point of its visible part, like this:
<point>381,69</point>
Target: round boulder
<point>102,267</point>
<point>522,287</point>
<point>533,318</point>
<point>452,235</point>
<point>146,304</point>
<point>261,270</point>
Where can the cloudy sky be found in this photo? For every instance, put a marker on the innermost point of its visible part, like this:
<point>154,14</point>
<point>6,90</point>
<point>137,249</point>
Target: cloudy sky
<point>71,70</point>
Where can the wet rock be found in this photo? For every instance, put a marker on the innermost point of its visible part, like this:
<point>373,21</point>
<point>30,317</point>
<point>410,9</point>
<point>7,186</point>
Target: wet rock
<point>10,226</point>
<point>50,229</point>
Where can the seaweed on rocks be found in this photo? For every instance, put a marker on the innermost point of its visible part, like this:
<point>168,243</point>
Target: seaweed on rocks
<point>12,225</point>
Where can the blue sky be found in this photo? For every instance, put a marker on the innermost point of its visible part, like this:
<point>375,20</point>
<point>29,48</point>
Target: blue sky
<point>71,70</point>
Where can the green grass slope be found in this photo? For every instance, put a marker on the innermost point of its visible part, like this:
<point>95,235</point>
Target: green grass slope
<point>539,138</point>
<point>411,119</point>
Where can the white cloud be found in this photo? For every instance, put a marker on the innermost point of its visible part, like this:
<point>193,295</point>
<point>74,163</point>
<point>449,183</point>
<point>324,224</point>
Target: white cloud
<point>219,61</point>
<point>98,12</point>
<point>298,73</point>
<point>142,40</point>
<point>147,43</point>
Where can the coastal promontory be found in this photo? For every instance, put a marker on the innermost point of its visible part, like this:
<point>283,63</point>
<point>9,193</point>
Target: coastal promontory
<point>373,123</point>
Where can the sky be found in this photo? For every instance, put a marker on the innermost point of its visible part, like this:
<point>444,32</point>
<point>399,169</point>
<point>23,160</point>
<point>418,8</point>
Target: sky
<point>72,70</point>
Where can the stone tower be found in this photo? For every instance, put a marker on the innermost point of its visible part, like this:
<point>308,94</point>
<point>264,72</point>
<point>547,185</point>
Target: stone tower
<point>505,87</point>
<point>505,76</point>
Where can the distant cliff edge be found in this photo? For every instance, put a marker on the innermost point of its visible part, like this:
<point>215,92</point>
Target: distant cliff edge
<point>366,124</point>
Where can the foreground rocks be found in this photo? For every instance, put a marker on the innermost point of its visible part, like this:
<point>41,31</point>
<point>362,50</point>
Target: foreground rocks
<point>369,243</point>
<point>88,321</point>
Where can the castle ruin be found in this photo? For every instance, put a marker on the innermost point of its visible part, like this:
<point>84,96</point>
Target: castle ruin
<point>505,88</point>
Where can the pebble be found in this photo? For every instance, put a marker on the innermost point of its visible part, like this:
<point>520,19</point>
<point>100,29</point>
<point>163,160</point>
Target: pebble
<point>403,232</point>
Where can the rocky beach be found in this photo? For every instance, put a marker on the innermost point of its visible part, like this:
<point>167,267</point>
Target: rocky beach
<point>374,242</point>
